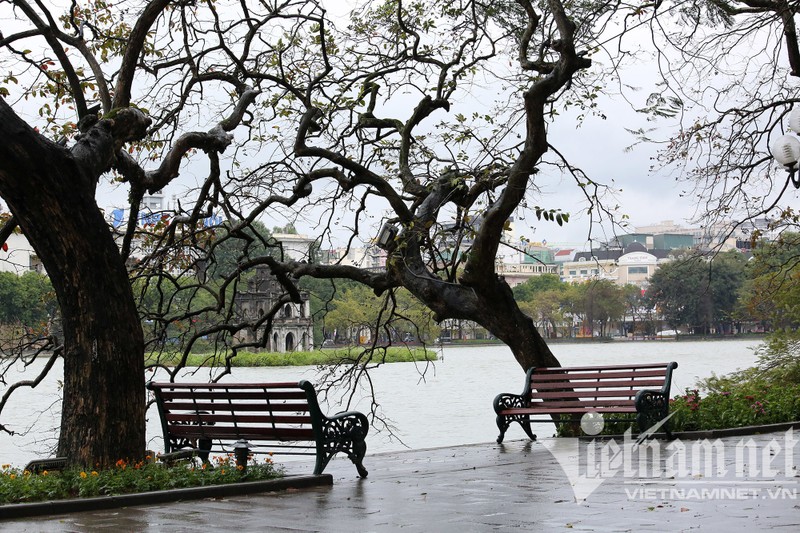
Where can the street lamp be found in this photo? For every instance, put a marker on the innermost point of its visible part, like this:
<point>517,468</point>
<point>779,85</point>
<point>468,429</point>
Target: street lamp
<point>786,148</point>
<point>389,232</point>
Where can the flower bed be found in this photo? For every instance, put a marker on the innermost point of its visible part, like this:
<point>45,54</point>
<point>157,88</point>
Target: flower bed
<point>22,486</point>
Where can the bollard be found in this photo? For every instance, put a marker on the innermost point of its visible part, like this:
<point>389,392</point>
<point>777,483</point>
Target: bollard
<point>241,451</point>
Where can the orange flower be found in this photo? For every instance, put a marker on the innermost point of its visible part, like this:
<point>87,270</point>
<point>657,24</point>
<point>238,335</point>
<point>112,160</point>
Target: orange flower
<point>84,475</point>
<point>94,473</point>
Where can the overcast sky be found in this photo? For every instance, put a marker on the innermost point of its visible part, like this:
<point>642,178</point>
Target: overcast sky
<point>598,147</point>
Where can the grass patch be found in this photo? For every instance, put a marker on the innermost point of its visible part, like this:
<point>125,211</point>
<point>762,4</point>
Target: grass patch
<point>399,354</point>
<point>17,486</point>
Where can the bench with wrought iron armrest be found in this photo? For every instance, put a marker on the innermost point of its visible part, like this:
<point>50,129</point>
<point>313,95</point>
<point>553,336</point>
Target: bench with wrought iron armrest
<point>276,417</point>
<point>571,392</point>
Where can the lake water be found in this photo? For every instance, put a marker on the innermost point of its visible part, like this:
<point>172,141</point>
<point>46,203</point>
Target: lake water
<point>446,404</point>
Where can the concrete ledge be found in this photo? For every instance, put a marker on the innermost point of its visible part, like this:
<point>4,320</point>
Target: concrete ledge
<point>55,507</point>
<point>711,433</point>
<point>737,432</point>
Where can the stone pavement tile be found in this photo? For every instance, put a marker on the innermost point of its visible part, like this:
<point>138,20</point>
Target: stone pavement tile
<point>513,487</point>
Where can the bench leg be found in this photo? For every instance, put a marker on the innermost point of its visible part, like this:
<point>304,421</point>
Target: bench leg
<point>652,411</point>
<point>344,433</point>
<point>526,427</point>
<point>204,445</point>
<point>359,451</point>
<point>502,425</point>
<point>503,422</point>
<point>355,450</point>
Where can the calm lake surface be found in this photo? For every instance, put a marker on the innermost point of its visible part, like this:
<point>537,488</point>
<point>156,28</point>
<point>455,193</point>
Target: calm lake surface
<point>445,404</point>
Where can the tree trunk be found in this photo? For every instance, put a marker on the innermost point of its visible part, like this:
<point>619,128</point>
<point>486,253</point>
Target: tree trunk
<point>499,313</point>
<point>103,417</point>
<point>52,198</point>
<point>489,302</point>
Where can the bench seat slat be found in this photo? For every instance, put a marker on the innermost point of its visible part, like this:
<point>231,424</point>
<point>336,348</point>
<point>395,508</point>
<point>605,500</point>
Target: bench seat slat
<point>558,376</point>
<point>242,432</point>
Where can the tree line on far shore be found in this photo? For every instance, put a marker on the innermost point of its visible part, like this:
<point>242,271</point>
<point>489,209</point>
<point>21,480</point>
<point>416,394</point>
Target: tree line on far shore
<point>722,293</point>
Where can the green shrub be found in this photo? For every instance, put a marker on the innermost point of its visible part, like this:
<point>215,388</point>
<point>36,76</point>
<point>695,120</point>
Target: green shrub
<point>742,404</point>
<point>17,486</point>
<point>730,404</point>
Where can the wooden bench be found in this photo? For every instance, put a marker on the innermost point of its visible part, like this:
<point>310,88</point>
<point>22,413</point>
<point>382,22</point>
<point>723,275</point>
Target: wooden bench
<point>571,392</point>
<point>278,417</point>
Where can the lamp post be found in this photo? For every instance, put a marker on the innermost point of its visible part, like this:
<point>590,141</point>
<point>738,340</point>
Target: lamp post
<point>786,148</point>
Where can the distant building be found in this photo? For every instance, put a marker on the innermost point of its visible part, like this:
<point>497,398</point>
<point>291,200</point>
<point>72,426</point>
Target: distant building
<point>296,247</point>
<point>658,241</point>
<point>370,258</point>
<point>725,235</point>
<point>292,327</point>
<point>564,255</point>
<point>632,265</point>
<point>20,257</point>
<point>153,202</point>
<point>516,274</point>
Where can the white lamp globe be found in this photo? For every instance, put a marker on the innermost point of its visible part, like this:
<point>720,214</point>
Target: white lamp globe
<point>794,119</point>
<point>786,150</point>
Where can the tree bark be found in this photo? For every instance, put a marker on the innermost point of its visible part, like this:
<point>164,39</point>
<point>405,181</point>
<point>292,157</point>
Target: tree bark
<point>51,195</point>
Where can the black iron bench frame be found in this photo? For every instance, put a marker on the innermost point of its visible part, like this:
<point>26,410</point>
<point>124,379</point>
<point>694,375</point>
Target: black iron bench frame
<point>281,418</point>
<point>565,394</point>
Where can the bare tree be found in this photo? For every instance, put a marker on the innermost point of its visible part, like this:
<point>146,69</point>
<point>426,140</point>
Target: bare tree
<point>729,74</point>
<point>356,130</point>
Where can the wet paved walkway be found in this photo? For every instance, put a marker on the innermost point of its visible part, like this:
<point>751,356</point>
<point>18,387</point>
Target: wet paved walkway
<point>517,486</point>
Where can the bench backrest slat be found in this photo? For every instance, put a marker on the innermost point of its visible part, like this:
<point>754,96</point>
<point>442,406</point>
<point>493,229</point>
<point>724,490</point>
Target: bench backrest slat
<point>226,386</point>
<point>605,367</point>
<point>581,402</point>
<point>594,384</point>
<point>554,374</point>
<point>234,395</point>
<point>611,393</point>
<point>216,418</point>
<point>185,405</point>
